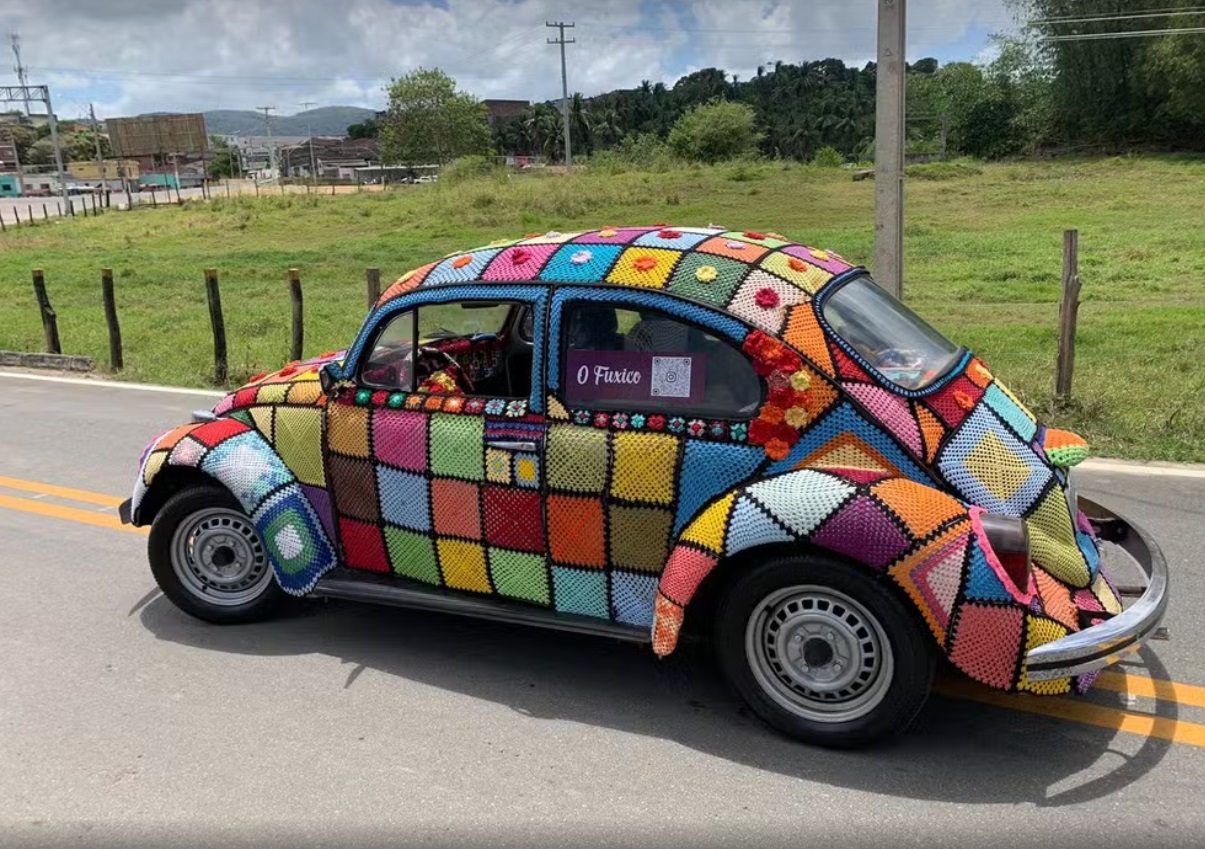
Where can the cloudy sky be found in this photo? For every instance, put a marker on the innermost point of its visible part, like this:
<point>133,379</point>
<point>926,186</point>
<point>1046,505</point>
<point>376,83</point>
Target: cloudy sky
<point>131,56</point>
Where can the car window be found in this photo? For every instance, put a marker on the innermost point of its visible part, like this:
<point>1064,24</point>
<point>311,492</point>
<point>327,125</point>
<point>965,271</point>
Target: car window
<point>898,343</point>
<point>646,360</point>
<point>390,365</point>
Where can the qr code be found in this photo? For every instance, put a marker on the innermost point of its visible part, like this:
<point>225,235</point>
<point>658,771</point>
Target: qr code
<point>671,377</point>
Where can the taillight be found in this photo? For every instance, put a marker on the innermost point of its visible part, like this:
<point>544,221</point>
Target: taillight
<point>1009,538</point>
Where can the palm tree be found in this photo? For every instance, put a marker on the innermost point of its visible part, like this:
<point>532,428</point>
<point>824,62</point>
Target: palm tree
<point>581,125</point>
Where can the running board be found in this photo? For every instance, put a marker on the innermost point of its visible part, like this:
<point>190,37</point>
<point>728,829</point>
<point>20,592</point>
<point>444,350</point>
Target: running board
<point>353,586</point>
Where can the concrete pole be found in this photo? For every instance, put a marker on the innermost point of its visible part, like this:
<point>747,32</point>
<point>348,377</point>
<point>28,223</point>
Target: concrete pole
<point>889,149</point>
<point>58,153</point>
<point>560,26</point>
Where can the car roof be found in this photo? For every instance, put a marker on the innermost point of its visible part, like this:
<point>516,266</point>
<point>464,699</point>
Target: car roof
<point>744,272</point>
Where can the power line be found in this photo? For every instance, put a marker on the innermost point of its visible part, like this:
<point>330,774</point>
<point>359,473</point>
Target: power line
<point>1128,16</point>
<point>22,79</point>
<point>1104,36</point>
<point>560,25</point>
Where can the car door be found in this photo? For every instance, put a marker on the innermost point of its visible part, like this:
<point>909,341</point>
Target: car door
<point>438,487</point>
<point>653,397</point>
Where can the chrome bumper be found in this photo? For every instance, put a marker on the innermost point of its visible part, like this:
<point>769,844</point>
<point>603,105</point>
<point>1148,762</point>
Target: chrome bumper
<point>1106,643</point>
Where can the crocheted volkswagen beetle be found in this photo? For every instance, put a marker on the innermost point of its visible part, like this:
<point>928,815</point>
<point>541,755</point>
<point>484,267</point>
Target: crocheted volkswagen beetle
<point>608,431</point>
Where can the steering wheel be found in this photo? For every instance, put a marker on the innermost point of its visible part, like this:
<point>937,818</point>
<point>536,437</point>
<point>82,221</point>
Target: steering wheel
<point>435,356</point>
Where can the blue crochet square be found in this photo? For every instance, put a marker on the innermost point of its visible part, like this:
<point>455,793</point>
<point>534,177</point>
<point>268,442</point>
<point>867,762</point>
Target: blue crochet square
<point>710,469</point>
<point>580,591</point>
<point>594,263</point>
<point>632,596</point>
<point>683,241</point>
<point>448,272</point>
<point>1010,413</point>
<point>983,584</point>
<point>404,500</point>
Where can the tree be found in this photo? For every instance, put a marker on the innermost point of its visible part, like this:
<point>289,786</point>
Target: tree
<point>225,159</point>
<point>428,120</point>
<point>367,129</point>
<point>79,147</point>
<point>714,132</point>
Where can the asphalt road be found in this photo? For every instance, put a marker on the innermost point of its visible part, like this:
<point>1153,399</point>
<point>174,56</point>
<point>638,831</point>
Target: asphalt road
<point>122,721</point>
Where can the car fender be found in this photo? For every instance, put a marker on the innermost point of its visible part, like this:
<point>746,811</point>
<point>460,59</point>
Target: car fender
<point>921,539</point>
<point>298,545</point>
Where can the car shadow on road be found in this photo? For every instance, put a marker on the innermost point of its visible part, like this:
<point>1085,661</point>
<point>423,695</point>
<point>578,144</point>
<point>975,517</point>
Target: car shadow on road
<point>957,751</point>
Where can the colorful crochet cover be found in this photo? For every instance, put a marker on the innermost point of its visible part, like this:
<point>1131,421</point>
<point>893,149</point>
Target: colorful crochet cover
<point>621,508</point>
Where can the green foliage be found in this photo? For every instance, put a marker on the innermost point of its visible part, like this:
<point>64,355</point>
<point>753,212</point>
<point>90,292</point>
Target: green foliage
<point>429,121</point>
<point>715,132</point>
<point>82,146</point>
<point>471,168</point>
<point>828,157</point>
<point>225,161</point>
<point>368,129</point>
<point>644,152</point>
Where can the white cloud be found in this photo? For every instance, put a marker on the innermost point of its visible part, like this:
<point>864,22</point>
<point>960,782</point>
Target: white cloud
<point>143,55</point>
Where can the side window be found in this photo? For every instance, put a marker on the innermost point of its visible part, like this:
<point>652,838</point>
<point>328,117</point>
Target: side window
<point>390,365</point>
<point>461,348</point>
<point>619,358</point>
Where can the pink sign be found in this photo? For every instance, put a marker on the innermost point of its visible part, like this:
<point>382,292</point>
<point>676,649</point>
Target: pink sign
<point>635,376</point>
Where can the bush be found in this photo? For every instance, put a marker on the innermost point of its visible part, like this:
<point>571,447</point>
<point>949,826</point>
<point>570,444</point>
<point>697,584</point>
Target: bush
<point>714,132</point>
<point>644,152</point>
<point>471,168</point>
<point>828,157</point>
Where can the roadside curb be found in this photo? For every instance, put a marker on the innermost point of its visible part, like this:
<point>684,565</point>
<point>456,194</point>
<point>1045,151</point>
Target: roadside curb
<point>59,362</point>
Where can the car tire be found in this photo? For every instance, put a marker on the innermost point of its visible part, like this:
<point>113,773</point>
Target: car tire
<point>209,560</point>
<point>823,651</point>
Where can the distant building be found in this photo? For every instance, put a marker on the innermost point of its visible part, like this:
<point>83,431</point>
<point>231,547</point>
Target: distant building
<point>335,159</point>
<point>495,109</point>
<point>8,155</point>
<point>113,170</point>
<point>10,186</point>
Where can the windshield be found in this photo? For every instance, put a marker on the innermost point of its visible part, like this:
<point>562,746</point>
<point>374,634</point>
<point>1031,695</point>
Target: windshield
<point>900,345</point>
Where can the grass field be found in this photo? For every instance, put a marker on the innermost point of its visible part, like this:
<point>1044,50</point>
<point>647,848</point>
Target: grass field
<point>983,257</point>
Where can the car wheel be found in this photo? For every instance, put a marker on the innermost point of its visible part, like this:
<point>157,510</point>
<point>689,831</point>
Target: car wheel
<point>209,560</point>
<point>823,651</point>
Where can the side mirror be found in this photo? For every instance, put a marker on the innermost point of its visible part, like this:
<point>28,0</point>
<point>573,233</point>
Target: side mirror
<point>326,379</point>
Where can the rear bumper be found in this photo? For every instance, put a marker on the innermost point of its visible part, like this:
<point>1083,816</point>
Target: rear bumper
<point>1104,644</point>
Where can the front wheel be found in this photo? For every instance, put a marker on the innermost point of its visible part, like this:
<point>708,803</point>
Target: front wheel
<point>209,560</point>
<point>823,651</point>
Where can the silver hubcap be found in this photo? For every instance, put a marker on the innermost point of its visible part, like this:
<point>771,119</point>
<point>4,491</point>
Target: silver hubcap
<point>819,653</point>
<point>218,556</point>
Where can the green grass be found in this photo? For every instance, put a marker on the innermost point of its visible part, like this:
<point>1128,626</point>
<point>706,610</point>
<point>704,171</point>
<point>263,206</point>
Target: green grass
<point>983,257</point>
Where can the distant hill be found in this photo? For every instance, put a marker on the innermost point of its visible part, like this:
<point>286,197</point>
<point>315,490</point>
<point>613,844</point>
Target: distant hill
<point>326,121</point>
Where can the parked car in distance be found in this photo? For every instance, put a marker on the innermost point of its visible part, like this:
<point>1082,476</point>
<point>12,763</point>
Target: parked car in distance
<point>635,430</point>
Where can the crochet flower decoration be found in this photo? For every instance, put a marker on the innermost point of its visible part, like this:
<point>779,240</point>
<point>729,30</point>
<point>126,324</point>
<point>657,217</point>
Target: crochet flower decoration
<point>657,422</point>
<point>581,257</point>
<point>696,427</point>
<point>520,255</point>
<point>515,409</point>
<point>645,263</point>
<point>461,261</point>
<point>734,245</point>
<point>474,406</point>
<point>752,234</point>
<point>606,234</point>
<point>581,417</point>
<point>620,421</point>
<point>964,400</point>
<point>670,234</point>
<point>739,431</point>
<point>677,424</point>
<point>636,420</point>
<point>706,274</point>
<point>800,380</point>
<point>823,256</point>
<point>766,298</point>
<point>395,401</point>
<point>600,419</point>
<point>495,407</point>
<point>453,404</point>
<point>797,264</point>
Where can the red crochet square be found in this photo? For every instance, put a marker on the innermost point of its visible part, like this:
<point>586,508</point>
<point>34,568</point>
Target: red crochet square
<point>214,432</point>
<point>455,509</point>
<point>363,546</point>
<point>513,519</point>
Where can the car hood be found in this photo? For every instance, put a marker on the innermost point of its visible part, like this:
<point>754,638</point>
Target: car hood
<point>294,384</point>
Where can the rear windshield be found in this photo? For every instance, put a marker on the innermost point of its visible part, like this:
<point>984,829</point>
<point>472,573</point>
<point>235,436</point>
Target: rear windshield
<point>900,345</point>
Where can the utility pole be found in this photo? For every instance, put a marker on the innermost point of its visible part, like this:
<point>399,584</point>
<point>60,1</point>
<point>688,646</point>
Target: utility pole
<point>889,149</point>
<point>305,107</point>
<point>271,147</point>
<point>560,25</point>
<point>58,151</point>
<point>15,39</point>
<point>100,160</point>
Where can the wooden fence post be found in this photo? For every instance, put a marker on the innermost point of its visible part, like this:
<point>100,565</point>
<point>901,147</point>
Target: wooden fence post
<point>17,215</point>
<point>45,214</point>
<point>1068,314</point>
<point>374,286</point>
<point>3,229</point>
<point>298,317</point>
<point>219,325</point>
<point>106,291</point>
<point>50,321</point>
<point>29,209</point>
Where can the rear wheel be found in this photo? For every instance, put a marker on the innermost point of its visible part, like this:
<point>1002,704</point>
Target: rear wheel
<point>209,560</point>
<point>822,651</point>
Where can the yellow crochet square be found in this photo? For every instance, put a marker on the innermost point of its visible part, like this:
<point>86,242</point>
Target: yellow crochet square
<point>262,416</point>
<point>811,278</point>
<point>643,468</point>
<point>645,267</point>
<point>463,565</point>
<point>304,393</point>
<point>347,430</point>
<point>273,393</point>
<point>709,527</point>
<point>497,465</point>
<point>299,442</point>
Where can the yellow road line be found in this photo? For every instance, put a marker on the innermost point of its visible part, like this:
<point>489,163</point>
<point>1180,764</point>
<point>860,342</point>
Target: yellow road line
<point>80,495</point>
<point>73,514</point>
<point>1180,731</point>
<point>1145,725</point>
<point>1187,695</point>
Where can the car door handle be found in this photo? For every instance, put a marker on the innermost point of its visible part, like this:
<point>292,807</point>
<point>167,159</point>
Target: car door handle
<point>512,445</point>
